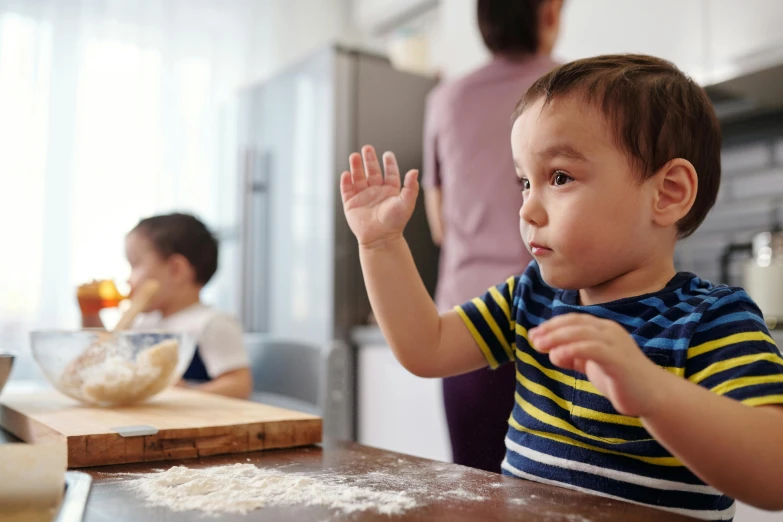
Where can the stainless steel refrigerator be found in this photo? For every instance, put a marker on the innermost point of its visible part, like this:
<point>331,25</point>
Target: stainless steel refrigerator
<point>301,278</point>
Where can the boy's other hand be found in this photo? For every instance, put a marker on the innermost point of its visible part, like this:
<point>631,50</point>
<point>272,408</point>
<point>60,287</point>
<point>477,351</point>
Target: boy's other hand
<point>608,355</point>
<point>376,207</point>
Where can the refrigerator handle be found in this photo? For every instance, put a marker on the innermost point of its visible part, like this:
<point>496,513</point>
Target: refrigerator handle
<point>259,191</point>
<point>255,255</point>
<point>246,312</point>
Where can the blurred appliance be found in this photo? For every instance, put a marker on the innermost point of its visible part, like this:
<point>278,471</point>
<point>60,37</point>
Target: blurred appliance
<point>301,278</point>
<point>762,271</point>
<point>753,87</point>
<point>763,275</point>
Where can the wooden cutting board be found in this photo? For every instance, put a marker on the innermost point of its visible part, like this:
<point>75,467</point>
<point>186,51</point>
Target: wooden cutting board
<point>189,424</point>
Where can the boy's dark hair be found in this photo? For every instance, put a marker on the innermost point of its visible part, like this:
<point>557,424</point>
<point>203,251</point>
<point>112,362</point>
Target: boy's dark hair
<point>509,27</point>
<point>185,235</point>
<point>655,112</point>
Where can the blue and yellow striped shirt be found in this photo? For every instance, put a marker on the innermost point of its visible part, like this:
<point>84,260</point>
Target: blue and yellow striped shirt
<point>562,431</point>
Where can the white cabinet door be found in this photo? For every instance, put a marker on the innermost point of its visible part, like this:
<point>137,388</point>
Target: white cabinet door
<point>670,29</point>
<point>398,411</point>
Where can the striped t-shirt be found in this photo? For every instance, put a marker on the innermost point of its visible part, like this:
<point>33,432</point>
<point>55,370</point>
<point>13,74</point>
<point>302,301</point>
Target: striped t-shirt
<point>562,431</point>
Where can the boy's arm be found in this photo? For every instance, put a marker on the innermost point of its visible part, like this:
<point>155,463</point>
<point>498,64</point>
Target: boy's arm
<point>426,343</point>
<point>730,445</point>
<point>235,383</point>
<point>733,447</point>
<point>377,210</point>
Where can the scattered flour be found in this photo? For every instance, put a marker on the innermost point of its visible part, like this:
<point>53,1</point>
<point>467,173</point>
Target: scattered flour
<point>463,494</point>
<point>394,487</point>
<point>242,488</point>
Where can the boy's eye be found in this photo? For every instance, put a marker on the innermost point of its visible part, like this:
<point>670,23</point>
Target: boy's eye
<point>561,178</point>
<point>524,183</point>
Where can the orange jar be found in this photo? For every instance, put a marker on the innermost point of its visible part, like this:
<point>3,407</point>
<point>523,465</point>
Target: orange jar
<point>94,297</point>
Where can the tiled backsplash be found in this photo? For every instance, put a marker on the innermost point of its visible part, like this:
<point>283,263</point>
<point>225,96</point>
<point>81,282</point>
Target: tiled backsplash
<point>751,187</point>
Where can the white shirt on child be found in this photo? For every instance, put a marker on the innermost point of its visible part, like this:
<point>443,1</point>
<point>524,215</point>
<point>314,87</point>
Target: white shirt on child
<point>218,335</point>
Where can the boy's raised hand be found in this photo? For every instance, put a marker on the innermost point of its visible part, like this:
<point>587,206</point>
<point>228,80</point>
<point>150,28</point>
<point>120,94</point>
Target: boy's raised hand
<point>605,352</point>
<point>375,207</point>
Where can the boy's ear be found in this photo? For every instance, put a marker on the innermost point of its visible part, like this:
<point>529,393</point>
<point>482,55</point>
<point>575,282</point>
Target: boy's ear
<point>675,186</point>
<point>179,266</point>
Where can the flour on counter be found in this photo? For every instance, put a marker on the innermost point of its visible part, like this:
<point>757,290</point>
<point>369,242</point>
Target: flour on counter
<point>463,494</point>
<point>395,486</point>
<point>242,488</point>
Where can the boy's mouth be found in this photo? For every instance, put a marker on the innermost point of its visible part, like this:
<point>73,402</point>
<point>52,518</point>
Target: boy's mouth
<point>538,249</point>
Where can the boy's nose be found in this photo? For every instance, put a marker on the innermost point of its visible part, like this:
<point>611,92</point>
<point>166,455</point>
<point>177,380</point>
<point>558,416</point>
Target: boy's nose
<point>531,211</point>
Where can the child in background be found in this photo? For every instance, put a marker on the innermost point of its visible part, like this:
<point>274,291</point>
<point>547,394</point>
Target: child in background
<point>633,381</point>
<point>180,253</point>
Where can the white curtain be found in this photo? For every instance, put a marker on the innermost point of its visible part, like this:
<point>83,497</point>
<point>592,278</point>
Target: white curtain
<point>112,110</point>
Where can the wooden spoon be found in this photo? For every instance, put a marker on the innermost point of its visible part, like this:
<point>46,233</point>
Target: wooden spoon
<point>139,302</point>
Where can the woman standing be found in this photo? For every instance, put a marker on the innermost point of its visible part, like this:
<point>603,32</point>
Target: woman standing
<point>472,201</point>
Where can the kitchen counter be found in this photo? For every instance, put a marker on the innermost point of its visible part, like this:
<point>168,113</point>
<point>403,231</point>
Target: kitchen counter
<point>454,493</point>
<point>369,334</point>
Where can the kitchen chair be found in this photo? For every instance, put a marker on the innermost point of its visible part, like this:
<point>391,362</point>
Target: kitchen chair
<point>305,377</point>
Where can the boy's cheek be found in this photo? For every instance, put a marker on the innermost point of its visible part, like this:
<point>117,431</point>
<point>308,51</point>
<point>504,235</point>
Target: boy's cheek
<point>135,280</point>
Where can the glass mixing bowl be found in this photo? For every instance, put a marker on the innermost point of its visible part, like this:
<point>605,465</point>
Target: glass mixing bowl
<point>112,368</point>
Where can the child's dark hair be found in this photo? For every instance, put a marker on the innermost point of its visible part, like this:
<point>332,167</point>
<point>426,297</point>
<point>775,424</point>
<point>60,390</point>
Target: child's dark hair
<point>509,27</point>
<point>185,235</point>
<point>656,114</point>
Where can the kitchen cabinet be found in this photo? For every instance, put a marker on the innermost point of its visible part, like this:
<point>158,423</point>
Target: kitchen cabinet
<point>396,410</point>
<point>670,29</point>
<point>589,27</point>
<point>708,39</point>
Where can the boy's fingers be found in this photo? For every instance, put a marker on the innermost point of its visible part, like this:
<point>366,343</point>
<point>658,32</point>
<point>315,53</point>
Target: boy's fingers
<point>571,355</point>
<point>411,188</point>
<point>357,172</point>
<point>392,170</point>
<point>544,342</point>
<point>346,186</point>
<point>582,351</point>
<point>561,321</point>
<point>371,165</point>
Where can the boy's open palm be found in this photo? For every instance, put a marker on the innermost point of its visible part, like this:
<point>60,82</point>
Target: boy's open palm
<point>375,207</point>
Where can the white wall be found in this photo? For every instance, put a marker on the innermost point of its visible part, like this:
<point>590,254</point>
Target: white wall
<point>301,26</point>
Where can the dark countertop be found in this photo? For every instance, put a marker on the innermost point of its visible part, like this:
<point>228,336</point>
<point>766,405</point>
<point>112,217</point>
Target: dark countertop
<point>446,497</point>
